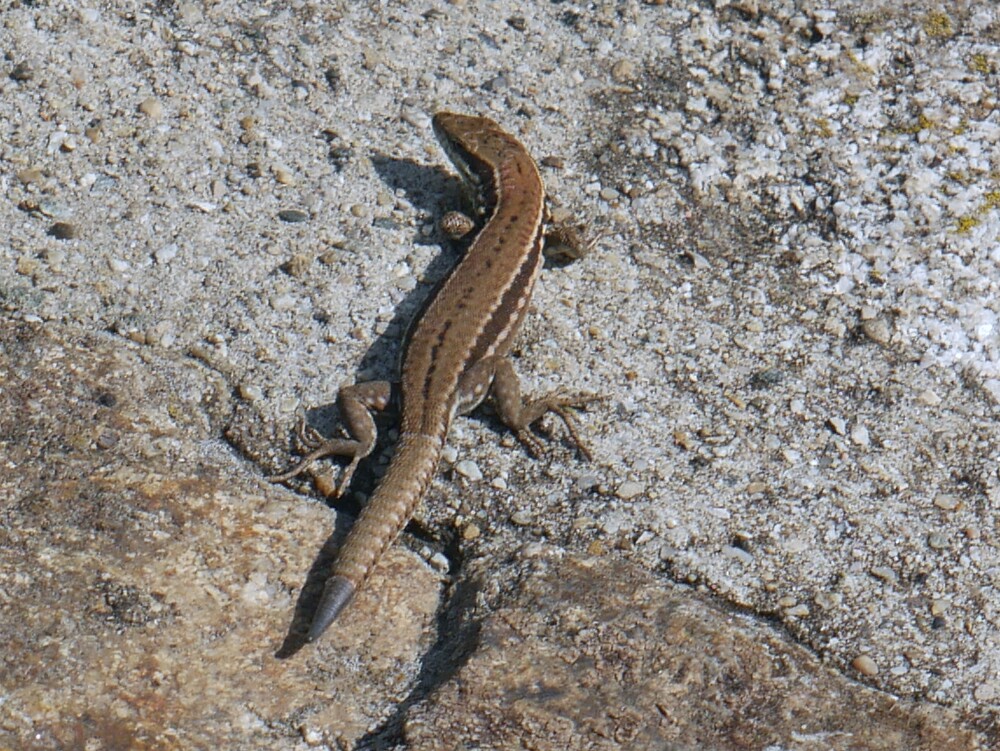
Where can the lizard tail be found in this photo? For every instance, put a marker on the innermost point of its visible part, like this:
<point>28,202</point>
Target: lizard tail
<point>336,594</point>
<point>381,520</point>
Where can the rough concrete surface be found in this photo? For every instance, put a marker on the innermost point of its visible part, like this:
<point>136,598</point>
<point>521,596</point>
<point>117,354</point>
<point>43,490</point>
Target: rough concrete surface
<point>215,213</point>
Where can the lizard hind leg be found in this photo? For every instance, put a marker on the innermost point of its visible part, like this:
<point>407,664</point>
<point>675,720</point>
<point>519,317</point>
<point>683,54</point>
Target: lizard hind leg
<point>355,402</point>
<point>519,413</point>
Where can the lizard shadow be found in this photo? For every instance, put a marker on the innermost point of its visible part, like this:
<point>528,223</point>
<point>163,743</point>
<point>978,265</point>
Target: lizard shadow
<point>458,628</point>
<point>431,190</point>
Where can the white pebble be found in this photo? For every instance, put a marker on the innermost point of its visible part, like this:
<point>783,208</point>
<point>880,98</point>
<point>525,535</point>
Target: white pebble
<point>439,563</point>
<point>628,490</point>
<point>469,470</point>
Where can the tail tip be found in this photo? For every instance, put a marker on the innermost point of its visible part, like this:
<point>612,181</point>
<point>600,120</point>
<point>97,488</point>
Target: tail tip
<point>336,594</point>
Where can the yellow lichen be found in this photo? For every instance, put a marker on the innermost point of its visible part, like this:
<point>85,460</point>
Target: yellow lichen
<point>965,224</point>
<point>858,63</point>
<point>850,99</point>
<point>980,64</point>
<point>923,123</point>
<point>938,25</point>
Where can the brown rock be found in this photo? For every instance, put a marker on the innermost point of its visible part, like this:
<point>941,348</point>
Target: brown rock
<point>593,654</point>
<point>150,588</point>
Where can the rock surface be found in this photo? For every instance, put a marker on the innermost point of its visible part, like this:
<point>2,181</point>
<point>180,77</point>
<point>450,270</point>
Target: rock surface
<point>150,600</point>
<point>587,653</point>
<point>151,584</point>
<point>793,311</point>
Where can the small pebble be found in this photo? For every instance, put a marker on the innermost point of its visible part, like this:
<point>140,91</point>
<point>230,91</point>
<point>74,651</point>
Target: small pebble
<point>252,393</point>
<point>439,563</point>
<point>30,175</point>
<point>835,326</point>
<point>986,692</point>
<point>929,399</point>
<point>470,532</point>
<point>860,435</point>
<point>518,23</point>
<point>455,224</point>
<point>628,490</point>
<point>282,303</point>
<point>190,13</point>
<point>54,209</point>
<point>26,265</point>
<point>284,175</point>
<point>293,216</point>
<point>827,600</point>
<point>939,607</point>
<point>623,70</point>
<point>865,665</point>
<point>736,553</point>
<point>469,470</point>
<point>106,440</point>
<point>297,266</point>
<point>151,107</point>
<point>877,330</point>
<point>22,72</point>
<point>64,231</point>
<point>520,518</point>
<point>838,425</point>
<point>937,540</point>
<point>312,736</point>
<point>166,254</point>
<point>947,501</point>
<point>885,573</point>
<point>55,258</point>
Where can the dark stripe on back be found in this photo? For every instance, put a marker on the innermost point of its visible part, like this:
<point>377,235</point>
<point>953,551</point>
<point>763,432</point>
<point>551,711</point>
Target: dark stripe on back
<point>503,315</point>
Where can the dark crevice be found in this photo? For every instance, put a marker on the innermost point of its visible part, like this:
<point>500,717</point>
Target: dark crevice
<point>458,637</point>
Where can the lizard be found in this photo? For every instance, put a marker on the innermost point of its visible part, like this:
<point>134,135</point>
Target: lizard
<point>455,353</point>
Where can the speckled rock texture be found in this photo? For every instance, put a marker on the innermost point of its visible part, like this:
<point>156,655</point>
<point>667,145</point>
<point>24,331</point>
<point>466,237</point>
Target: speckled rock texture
<point>153,598</point>
<point>150,587</point>
<point>584,653</point>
